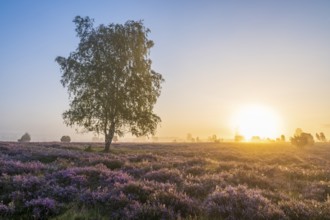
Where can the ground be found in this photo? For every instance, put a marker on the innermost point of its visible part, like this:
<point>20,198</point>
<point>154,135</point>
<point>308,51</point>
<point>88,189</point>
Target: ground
<point>164,181</point>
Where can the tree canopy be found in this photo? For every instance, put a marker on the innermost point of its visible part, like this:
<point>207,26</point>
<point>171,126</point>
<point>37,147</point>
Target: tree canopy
<point>111,85</point>
<point>25,138</point>
<point>65,139</point>
<point>301,138</point>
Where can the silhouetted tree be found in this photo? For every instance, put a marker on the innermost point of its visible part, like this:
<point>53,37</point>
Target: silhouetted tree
<point>317,137</point>
<point>301,138</point>
<point>255,139</point>
<point>25,138</point>
<point>282,138</point>
<point>111,85</point>
<point>65,139</point>
<point>239,138</point>
<point>214,138</point>
<point>189,137</point>
<point>322,137</point>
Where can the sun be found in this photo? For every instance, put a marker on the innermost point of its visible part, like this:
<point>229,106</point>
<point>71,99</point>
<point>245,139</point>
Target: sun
<point>257,120</point>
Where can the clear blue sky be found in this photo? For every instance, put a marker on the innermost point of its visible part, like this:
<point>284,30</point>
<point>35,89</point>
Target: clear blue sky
<point>216,56</point>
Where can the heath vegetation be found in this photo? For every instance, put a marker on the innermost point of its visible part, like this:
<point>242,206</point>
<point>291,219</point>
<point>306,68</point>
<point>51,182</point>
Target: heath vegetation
<point>164,181</point>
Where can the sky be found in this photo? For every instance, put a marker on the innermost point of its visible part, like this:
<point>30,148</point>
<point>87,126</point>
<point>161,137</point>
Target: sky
<point>217,57</point>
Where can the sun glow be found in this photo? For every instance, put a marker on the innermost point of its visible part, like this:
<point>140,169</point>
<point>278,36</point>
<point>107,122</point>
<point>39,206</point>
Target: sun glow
<point>257,121</point>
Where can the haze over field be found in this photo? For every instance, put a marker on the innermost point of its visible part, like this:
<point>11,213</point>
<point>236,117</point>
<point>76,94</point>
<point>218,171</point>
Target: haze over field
<point>220,59</point>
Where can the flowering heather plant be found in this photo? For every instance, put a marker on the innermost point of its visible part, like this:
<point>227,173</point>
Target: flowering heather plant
<point>195,170</point>
<point>5,185</point>
<point>305,209</point>
<point>91,177</point>
<point>117,177</point>
<point>143,157</point>
<point>183,205</point>
<point>152,211</point>
<point>197,190</point>
<point>5,210</point>
<point>240,203</point>
<point>27,183</point>
<point>250,178</point>
<point>93,198</point>
<point>173,181</point>
<point>197,161</point>
<point>70,177</point>
<point>109,163</point>
<point>112,204</point>
<point>65,194</point>
<point>136,191</point>
<point>18,197</point>
<point>16,167</point>
<point>165,175</point>
<point>42,207</point>
<point>201,186</point>
<point>317,190</point>
<point>137,172</point>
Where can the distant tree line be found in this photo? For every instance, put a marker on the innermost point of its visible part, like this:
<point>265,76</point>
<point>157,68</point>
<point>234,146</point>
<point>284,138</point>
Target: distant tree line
<point>301,138</point>
<point>321,137</point>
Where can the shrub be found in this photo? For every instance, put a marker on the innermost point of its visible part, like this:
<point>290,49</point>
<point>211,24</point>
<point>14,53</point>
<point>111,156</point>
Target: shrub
<point>301,139</point>
<point>27,183</point>
<point>92,177</point>
<point>42,207</point>
<point>165,175</point>
<point>25,138</point>
<point>109,163</point>
<point>295,209</point>
<point>137,191</point>
<point>143,157</point>
<point>106,202</point>
<point>201,186</point>
<point>197,190</point>
<point>17,167</point>
<point>152,212</point>
<point>65,139</point>
<point>183,205</point>
<point>63,194</point>
<point>5,210</point>
<point>240,203</point>
<point>70,177</point>
<point>196,170</point>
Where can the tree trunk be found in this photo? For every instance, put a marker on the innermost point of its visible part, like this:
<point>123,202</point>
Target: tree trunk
<point>108,137</point>
<point>107,144</point>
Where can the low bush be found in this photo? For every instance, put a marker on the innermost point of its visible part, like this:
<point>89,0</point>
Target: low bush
<point>165,175</point>
<point>136,191</point>
<point>42,208</point>
<point>240,203</point>
<point>179,202</point>
<point>43,181</point>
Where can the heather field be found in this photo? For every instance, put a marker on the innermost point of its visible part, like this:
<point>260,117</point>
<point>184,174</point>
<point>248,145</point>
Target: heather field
<point>164,181</point>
